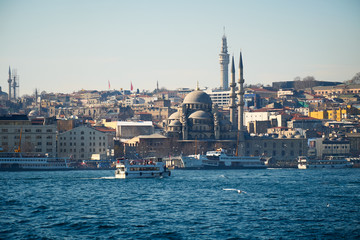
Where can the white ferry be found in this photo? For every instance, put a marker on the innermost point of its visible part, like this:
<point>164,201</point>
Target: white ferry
<point>328,162</point>
<point>144,168</point>
<point>17,161</point>
<point>220,160</point>
<point>193,161</point>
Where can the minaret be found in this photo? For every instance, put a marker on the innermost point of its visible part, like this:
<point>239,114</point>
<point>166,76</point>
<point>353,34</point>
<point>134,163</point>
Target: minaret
<point>224,63</point>
<point>232,96</point>
<point>241,96</point>
<point>15,85</point>
<point>241,139</point>
<point>9,81</point>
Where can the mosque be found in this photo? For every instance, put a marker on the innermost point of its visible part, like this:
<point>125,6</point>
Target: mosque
<point>198,118</point>
<point>198,125</point>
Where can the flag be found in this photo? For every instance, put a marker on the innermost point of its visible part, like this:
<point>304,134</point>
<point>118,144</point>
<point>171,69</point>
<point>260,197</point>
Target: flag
<point>109,84</point>
<point>131,87</point>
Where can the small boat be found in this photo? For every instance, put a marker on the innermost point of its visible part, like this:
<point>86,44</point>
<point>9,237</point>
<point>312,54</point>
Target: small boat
<point>143,168</point>
<point>17,161</point>
<point>328,162</point>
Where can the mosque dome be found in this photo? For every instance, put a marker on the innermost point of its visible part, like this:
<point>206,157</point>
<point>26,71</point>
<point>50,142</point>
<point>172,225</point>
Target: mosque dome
<point>200,115</point>
<point>197,97</point>
<point>175,123</point>
<point>175,115</point>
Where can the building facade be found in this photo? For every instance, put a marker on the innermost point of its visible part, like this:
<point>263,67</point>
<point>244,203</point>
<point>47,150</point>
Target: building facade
<point>81,143</point>
<point>18,131</point>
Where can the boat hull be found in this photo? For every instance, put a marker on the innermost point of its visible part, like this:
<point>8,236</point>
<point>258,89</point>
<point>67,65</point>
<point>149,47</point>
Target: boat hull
<point>323,166</point>
<point>125,175</point>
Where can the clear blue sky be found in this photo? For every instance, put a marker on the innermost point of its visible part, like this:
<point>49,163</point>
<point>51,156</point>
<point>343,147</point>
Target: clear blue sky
<point>68,45</point>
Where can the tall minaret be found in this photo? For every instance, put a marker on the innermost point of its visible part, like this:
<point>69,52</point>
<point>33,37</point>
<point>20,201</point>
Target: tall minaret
<point>232,96</point>
<point>241,96</point>
<point>241,140</point>
<point>9,81</point>
<point>224,63</point>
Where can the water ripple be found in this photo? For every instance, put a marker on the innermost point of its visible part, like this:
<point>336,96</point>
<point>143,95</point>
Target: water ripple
<point>279,203</point>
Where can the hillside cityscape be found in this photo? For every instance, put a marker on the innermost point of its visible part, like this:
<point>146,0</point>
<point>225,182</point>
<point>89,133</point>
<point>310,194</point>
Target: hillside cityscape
<point>299,117</point>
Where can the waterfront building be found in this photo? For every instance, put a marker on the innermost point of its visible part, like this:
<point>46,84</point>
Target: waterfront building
<point>320,148</point>
<point>32,136</point>
<point>154,145</point>
<point>81,143</point>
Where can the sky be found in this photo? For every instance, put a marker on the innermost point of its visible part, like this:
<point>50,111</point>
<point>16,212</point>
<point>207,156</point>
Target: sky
<point>69,45</point>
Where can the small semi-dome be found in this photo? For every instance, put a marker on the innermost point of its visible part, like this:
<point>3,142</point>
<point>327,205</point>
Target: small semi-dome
<point>175,123</point>
<point>197,97</point>
<point>175,115</point>
<point>225,122</point>
<point>200,115</point>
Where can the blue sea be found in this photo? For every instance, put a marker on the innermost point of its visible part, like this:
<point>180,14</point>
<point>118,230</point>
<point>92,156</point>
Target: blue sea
<point>191,204</point>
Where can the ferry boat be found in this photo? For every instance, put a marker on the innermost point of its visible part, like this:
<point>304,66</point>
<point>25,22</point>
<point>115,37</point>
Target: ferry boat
<point>355,161</point>
<point>17,161</point>
<point>193,161</point>
<point>144,168</point>
<point>328,162</point>
<point>218,159</point>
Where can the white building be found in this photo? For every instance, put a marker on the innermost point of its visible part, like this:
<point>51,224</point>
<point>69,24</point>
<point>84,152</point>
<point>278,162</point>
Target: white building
<point>259,116</point>
<point>221,98</point>
<point>82,143</point>
<point>128,130</point>
<point>284,93</point>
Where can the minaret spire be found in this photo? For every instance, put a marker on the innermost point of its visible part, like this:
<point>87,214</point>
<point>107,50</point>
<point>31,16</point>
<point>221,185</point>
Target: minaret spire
<point>232,95</point>
<point>241,106</point>
<point>224,63</point>
<point>9,81</point>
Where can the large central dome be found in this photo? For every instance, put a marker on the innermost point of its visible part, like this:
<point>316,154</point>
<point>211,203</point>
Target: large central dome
<point>197,97</point>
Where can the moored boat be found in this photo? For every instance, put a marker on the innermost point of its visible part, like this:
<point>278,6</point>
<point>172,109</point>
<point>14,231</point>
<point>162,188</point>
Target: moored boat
<point>143,168</point>
<point>219,159</point>
<point>328,162</point>
<point>17,161</point>
<point>193,161</point>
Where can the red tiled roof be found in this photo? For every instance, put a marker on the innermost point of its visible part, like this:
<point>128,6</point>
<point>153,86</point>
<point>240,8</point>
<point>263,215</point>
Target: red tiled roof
<point>104,129</point>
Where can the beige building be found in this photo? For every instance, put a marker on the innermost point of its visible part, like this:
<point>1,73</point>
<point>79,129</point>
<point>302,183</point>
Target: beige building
<point>35,136</point>
<point>83,142</point>
<point>339,89</point>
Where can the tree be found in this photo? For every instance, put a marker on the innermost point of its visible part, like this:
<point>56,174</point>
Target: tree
<point>307,82</point>
<point>356,79</point>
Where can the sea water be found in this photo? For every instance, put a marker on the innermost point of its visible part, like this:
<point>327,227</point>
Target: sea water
<point>191,204</point>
